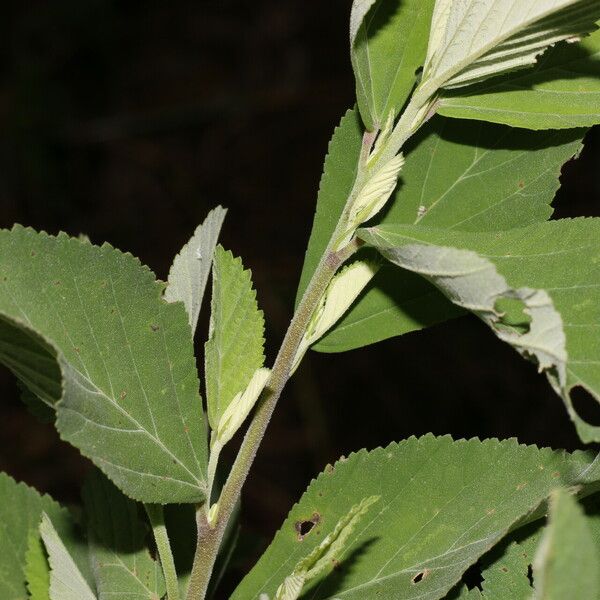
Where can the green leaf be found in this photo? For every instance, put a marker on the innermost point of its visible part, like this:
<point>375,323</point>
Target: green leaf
<point>339,173</point>
<point>191,267</point>
<point>66,580</point>
<point>458,175</point>
<point>553,271</point>
<point>442,505</point>
<point>234,350</point>
<point>507,577</point>
<point>387,48</point>
<point>507,569</point>
<point>122,564</point>
<point>37,569</point>
<point>567,559</point>
<point>471,41</point>
<point>93,321</point>
<point>325,554</point>
<point>21,509</point>
<point>561,91</point>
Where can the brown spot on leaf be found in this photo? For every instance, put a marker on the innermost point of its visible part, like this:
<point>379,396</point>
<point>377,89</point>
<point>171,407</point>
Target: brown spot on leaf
<point>154,327</point>
<point>122,395</point>
<point>521,184</point>
<point>521,486</point>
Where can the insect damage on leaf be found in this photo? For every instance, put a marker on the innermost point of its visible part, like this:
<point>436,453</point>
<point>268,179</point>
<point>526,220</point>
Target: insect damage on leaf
<point>326,554</point>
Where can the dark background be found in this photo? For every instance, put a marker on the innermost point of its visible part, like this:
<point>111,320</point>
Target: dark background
<point>128,121</point>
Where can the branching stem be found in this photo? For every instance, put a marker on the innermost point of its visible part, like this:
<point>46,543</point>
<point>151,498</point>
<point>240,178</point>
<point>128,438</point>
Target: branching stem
<point>209,537</point>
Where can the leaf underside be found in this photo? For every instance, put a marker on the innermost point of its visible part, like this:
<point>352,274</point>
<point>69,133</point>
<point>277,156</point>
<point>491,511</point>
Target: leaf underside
<point>561,91</point>
<point>66,580</point>
<point>552,269</point>
<point>190,270</point>
<point>86,328</point>
<point>471,41</point>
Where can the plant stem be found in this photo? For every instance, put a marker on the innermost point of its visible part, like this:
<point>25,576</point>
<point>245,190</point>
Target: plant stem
<point>209,538</point>
<point>157,520</point>
<point>411,119</point>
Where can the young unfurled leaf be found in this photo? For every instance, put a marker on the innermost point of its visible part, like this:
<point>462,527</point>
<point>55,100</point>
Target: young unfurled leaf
<point>239,408</point>
<point>191,267</point>
<point>552,269</point>
<point>388,43</point>
<point>21,509</point>
<point>371,198</point>
<point>567,560</point>
<point>442,505</point>
<point>325,555</point>
<point>473,40</point>
<point>233,417</point>
<point>234,350</point>
<point>561,91</point>
<point>87,329</point>
<point>66,580</point>
<point>463,175</point>
<point>343,290</point>
<point>123,567</point>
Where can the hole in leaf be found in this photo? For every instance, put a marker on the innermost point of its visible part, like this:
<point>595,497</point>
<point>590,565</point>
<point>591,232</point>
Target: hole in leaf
<point>513,315</point>
<point>473,578</point>
<point>530,575</point>
<point>585,405</point>
<point>303,528</point>
<point>418,577</point>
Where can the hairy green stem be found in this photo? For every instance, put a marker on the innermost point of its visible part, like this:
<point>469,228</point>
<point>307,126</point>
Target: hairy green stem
<point>210,535</point>
<point>157,521</point>
<point>209,538</point>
